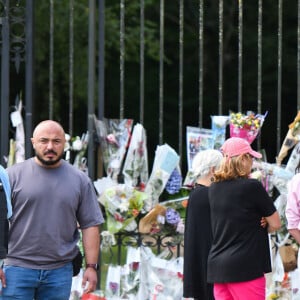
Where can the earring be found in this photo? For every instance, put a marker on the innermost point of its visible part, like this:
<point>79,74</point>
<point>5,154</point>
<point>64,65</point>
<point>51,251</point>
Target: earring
<point>212,179</point>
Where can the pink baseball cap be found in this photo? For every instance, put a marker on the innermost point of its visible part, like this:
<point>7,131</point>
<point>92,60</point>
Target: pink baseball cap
<point>236,146</point>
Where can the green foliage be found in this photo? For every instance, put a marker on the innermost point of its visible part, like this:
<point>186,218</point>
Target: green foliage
<point>191,60</point>
<point>132,31</point>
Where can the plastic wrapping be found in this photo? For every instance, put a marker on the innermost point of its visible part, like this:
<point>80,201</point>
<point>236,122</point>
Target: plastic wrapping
<point>165,161</point>
<point>218,126</point>
<point>135,168</point>
<point>246,126</point>
<point>114,136</point>
<point>122,205</point>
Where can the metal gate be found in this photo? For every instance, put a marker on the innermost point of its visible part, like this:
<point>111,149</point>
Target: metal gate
<point>17,55</point>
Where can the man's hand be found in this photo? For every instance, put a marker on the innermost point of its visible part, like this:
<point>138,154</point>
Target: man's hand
<point>89,280</point>
<point>2,278</point>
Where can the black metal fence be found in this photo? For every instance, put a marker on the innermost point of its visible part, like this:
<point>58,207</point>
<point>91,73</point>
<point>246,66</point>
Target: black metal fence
<point>220,32</point>
<point>172,243</point>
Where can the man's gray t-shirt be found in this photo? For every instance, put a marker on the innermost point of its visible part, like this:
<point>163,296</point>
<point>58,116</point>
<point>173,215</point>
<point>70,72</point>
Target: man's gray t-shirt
<point>48,205</point>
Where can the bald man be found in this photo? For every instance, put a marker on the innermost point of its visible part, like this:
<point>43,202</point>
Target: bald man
<point>50,198</point>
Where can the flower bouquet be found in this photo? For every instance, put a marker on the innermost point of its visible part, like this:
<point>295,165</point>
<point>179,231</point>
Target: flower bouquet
<point>290,140</point>
<point>114,136</point>
<point>135,168</point>
<point>246,126</point>
<point>293,160</point>
<point>78,146</point>
<point>174,182</point>
<point>165,161</point>
<point>18,150</point>
<point>218,126</point>
<point>161,219</point>
<point>130,279</point>
<point>161,278</point>
<point>122,205</point>
<point>113,280</point>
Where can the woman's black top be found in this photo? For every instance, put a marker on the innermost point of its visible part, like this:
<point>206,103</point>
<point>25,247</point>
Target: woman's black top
<point>197,242</point>
<point>240,248</point>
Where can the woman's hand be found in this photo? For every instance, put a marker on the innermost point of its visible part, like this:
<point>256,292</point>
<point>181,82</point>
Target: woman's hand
<point>263,222</point>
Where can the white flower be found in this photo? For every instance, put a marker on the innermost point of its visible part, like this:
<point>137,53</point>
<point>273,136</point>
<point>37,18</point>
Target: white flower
<point>123,207</point>
<point>67,144</point>
<point>220,121</point>
<point>180,227</point>
<point>77,144</point>
<point>256,175</point>
<point>67,137</point>
<point>161,219</point>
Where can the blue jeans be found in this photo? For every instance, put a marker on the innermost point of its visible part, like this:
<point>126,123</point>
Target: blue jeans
<point>29,284</point>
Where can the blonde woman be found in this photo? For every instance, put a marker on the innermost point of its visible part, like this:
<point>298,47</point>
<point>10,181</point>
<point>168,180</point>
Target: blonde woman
<point>240,254</point>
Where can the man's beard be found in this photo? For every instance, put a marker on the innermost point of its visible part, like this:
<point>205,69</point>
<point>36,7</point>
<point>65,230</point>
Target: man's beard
<point>48,162</point>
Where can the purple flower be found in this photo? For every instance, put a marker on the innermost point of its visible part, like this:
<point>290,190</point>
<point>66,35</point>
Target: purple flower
<point>174,183</point>
<point>172,216</point>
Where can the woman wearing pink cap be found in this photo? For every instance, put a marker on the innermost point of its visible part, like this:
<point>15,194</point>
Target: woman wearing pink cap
<point>240,254</point>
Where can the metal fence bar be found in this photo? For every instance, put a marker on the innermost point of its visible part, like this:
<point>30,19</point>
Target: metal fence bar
<point>161,71</point>
<point>142,60</point>
<point>122,57</point>
<point>101,43</point>
<point>71,65</point>
<point>240,56</point>
<point>181,59</point>
<point>91,88</point>
<point>279,74</point>
<point>220,85</point>
<point>201,38</point>
<point>259,56</point>
<point>259,63</point>
<point>29,76</point>
<point>51,59</point>
<point>5,81</point>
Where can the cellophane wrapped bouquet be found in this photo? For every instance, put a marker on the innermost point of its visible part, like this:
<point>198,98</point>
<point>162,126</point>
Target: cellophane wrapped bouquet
<point>135,168</point>
<point>114,136</point>
<point>165,161</point>
<point>291,139</point>
<point>161,277</point>
<point>113,283</point>
<point>122,205</point>
<point>130,280</point>
<point>164,220</point>
<point>246,126</point>
<point>123,282</point>
<point>218,126</point>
